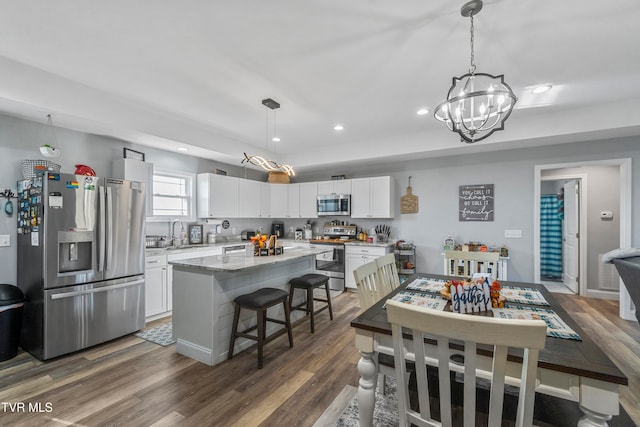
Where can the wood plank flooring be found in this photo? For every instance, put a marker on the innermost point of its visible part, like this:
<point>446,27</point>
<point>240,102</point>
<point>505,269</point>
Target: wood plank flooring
<point>132,382</point>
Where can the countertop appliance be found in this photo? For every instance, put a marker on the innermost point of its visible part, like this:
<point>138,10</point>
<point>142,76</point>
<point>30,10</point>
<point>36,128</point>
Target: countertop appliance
<point>332,264</point>
<point>334,204</point>
<point>81,242</point>
<point>277,229</point>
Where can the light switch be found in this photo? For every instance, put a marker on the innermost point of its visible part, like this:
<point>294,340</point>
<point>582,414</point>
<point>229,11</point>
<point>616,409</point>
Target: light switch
<point>5,240</point>
<point>513,234</point>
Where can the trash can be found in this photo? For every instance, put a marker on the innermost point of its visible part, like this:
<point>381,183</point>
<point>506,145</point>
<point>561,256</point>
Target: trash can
<point>11,304</point>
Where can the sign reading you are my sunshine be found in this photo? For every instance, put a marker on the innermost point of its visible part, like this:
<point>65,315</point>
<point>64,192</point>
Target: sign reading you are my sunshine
<point>475,202</point>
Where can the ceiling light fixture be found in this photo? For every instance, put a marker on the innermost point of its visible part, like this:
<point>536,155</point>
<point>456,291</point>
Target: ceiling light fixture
<point>541,89</point>
<point>477,104</point>
<point>338,127</point>
<point>269,165</point>
<point>422,111</point>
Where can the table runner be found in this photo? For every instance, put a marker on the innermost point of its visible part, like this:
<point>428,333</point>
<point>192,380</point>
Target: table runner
<point>421,299</point>
<point>556,327</point>
<point>511,293</point>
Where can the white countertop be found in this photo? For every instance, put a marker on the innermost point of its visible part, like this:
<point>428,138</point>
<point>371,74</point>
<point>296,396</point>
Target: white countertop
<point>240,262</point>
<point>205,247</point>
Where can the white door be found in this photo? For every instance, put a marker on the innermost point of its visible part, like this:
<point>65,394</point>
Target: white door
<point>571,235</point>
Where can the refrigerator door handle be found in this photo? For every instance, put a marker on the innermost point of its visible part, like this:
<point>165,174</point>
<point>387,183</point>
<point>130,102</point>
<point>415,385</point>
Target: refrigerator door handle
<point>109,241</point>
<point>101,230</point>
<point>95,290</point>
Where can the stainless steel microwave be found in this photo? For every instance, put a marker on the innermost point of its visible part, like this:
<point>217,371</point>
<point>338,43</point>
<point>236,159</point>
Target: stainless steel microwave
<point>334,204</point>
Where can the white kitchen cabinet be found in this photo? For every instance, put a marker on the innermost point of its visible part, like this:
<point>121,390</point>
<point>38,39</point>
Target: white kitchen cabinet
<point>155,285</point>
<point>357,255</point>
<point>136,170</point>
<point>372,197</point>
<point>308,200</point>
<point>254,199</point>
<point>334,186</point>
<point>217,196</point>
<point>285,201</point>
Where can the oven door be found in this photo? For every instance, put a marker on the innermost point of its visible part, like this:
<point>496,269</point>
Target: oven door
<point>331,264</point>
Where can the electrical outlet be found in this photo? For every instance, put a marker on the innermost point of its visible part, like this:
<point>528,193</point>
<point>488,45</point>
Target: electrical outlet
<point>513,234</point>
<point>5,240</point>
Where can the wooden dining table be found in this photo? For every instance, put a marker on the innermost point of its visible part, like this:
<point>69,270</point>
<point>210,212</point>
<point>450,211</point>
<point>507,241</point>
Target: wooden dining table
<point>575,370</point>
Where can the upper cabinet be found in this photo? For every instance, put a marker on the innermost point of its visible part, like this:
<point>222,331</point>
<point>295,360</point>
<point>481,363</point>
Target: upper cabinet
<point>136,170</point>
<point>285,200</point>
<point>217,196</point>
<point>335,186</point>
<point>372,197</point>
<point>254,199</point>
<point>308,200</point>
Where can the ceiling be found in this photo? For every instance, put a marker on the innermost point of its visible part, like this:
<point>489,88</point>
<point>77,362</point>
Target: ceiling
<point>193,73</point>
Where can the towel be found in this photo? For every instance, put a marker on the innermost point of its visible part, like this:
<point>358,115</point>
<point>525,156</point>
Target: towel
<point>620,253</point>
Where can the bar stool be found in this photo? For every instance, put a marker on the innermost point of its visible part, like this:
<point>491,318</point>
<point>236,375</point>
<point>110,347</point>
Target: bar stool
<point>259,301</point>
<point>309,282</point>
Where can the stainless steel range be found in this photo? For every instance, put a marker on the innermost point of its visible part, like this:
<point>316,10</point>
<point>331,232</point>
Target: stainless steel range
<point>331,264</point>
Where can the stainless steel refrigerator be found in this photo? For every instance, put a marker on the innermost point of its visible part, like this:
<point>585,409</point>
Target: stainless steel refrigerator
<point>80,261</point>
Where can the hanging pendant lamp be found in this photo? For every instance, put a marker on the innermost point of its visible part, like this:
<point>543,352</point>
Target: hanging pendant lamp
<point>269,165</point>
<point>477,104</point>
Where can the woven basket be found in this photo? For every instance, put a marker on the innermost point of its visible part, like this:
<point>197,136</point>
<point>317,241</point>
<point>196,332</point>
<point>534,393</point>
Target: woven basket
<point>278,178</point>
<point>30,168</point>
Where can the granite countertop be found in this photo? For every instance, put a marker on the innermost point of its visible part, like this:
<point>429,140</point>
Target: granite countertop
<point>204,247</point>
<point>378,244</point>
<point>240,262</point>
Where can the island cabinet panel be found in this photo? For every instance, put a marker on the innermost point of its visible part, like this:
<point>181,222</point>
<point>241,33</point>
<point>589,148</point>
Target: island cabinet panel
<point>217,196</point>
<point>372,197</point>
<point>203,305</point>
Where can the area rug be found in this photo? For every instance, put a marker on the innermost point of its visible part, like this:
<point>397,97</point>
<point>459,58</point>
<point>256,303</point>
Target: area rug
<point>161,335</point>
<point>385,412</point>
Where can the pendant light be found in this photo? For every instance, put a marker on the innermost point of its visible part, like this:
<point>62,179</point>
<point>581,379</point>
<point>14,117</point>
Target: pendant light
<point>269,165</point>
<point>477,104</point>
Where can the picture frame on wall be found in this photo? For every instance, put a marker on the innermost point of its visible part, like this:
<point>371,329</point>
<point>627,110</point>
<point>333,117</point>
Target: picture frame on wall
<point>128,153</point>
<point>195,234</point>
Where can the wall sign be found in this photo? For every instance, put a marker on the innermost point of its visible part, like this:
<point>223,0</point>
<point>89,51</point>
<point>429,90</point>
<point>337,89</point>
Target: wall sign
<point>475,202</point>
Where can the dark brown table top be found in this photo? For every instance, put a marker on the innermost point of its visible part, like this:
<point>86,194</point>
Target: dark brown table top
<point>583,358</point>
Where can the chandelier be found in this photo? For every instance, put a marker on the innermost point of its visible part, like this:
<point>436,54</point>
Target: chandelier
<point>269,165</point>
<point>477,104</point>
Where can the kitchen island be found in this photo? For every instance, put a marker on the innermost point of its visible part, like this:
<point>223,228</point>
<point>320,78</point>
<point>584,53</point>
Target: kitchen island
<point>204,289</point>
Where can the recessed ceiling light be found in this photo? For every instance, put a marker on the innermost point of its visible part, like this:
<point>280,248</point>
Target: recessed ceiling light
<point>183,149</point>
<point>338,127</point>
<point>542,89</point>
<point>275,139</point>
<point>422,111</point>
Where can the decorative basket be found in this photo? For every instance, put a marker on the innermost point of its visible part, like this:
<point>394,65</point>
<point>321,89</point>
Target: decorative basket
<point>278,178</point>
<point>30,168</point>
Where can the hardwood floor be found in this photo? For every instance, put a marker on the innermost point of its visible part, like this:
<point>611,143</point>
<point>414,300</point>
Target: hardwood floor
<point>133,382</point>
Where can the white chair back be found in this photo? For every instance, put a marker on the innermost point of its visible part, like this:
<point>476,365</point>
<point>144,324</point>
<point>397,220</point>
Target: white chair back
<point>388,271</point>
<point>370,290</point>
<point>445,326</point>
<point>464,264</point>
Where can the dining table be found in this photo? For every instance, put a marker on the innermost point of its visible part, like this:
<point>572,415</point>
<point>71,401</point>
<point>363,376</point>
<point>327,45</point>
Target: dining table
<point>571,366</point>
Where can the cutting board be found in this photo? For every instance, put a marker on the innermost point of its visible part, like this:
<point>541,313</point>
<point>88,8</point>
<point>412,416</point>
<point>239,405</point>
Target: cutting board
<point>409,202</point>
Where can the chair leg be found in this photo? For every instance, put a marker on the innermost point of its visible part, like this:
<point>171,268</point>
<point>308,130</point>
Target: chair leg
<point>291,290</point>
<point>261,327</point>
<point>326,287</point>
<point>234,330</point>
<point>287,320</point>
<point>310,308</point>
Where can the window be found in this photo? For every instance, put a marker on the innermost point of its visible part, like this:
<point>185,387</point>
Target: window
<point>173,195</point>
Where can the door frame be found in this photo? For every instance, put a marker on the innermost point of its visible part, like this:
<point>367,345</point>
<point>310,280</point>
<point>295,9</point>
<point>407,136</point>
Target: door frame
<point>624,164</point>
<point>582,226</point>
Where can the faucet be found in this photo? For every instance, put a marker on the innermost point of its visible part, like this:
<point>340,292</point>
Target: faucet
<point>175,239</point>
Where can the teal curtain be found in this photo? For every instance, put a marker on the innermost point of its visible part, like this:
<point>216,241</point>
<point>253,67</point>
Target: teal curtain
<point>550,238</point>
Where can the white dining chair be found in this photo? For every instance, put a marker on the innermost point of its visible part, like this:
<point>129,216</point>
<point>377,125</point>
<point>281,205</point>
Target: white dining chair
<point>371,289</point>
<point>465,264</point>
<point>419,322</point>
<point>388,271</point>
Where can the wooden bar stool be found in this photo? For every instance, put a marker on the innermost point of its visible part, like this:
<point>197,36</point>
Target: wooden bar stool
<point>260,301</point>
<point>309,282</point>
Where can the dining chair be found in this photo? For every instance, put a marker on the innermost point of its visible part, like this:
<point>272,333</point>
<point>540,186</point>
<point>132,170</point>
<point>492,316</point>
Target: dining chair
<point>371,290</point>
<point>465,264</point>
<point>445,327</point>
<point>388,271</point>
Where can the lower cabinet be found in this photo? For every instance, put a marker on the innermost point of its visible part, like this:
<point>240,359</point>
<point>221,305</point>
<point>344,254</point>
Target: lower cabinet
<point>155,287</point>
<point>355,256</point>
